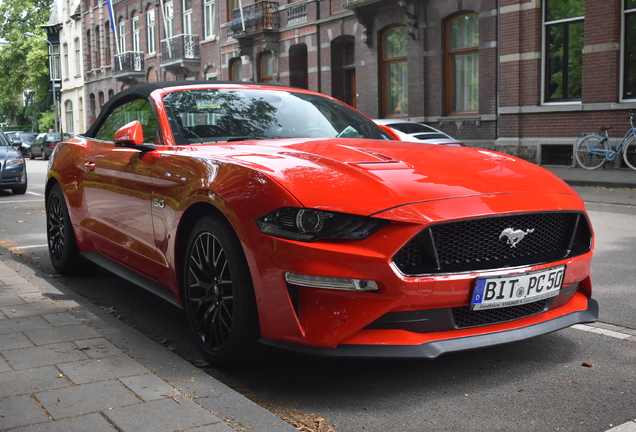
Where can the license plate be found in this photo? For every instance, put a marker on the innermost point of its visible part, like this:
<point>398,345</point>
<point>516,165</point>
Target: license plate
<point>517,289</point>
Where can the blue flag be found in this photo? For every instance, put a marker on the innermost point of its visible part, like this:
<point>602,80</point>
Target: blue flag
<point>111,12</point>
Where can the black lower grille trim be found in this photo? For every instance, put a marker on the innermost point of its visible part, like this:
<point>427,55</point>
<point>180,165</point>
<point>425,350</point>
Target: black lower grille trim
<point>464,317</point>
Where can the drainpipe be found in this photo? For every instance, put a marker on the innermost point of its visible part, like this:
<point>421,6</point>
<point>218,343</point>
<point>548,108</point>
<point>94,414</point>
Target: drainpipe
<point>318,56</point>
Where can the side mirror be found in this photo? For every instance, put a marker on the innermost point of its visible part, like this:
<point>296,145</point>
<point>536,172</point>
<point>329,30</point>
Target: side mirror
<point>131,134</point>
<point>390,132</point>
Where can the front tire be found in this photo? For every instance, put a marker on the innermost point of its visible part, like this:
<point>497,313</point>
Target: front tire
<point>219,296</point>
<point>584,154</point>
<point>62,246</point>
<point>629,154</point>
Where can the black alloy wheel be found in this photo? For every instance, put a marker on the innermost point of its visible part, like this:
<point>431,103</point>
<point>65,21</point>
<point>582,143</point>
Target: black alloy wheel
<point>63,249</point>
<point>219,296</point>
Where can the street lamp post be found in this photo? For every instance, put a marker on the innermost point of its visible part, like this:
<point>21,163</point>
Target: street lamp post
<point>52,73</point>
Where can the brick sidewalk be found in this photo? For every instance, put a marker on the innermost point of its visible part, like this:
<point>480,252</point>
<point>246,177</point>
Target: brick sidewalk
<point>66,365</point>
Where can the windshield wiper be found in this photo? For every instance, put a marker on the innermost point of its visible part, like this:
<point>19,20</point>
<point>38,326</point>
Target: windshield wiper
<point>245,138</point>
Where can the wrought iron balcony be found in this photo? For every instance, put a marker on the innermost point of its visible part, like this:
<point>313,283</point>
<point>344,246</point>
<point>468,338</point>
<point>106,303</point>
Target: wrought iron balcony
<point>181,47</point>
<point>256,17</point>
<point>129,67</point>
<point>130,61</point>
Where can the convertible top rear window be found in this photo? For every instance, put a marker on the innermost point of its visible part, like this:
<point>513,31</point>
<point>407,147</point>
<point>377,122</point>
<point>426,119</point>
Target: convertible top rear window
<point>215,115</point>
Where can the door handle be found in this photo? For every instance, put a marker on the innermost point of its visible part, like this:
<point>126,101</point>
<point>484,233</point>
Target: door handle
<point>90,166</point>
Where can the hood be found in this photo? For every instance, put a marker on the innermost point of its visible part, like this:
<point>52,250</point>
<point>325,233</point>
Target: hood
<point>7,152</point>
<point>369,176</point>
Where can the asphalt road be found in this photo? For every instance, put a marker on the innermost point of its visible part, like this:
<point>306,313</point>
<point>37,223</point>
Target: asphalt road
<point>567,381</point>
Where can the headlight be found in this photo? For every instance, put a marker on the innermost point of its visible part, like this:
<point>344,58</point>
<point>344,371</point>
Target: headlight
<point>308,224</point>
<point>14,162</point>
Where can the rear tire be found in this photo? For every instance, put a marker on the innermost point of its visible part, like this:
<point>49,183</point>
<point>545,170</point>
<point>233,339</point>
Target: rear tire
<point>62,246</point>
<point>629,153</point>
<point>584,152</point>
<point>219,296</point>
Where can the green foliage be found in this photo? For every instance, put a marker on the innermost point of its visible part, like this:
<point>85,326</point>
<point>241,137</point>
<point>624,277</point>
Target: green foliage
<point>46,122</point>
<point>23,61</point>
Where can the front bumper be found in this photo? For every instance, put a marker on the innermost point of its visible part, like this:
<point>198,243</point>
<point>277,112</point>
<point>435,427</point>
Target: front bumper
<point>433,349</point>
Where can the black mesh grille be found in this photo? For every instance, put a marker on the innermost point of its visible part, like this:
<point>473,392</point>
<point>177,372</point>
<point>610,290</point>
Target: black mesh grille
<point>482,244</point>
<point>464,317</point>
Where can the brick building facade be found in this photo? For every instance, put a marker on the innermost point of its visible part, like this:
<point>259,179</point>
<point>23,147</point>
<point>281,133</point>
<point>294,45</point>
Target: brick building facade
<point>521,76</point>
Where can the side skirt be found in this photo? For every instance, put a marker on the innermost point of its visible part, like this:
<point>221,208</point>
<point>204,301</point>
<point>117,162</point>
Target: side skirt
<point>132,277</point>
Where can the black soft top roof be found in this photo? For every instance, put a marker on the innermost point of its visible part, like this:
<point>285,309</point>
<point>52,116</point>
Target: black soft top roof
<point>144,90</point>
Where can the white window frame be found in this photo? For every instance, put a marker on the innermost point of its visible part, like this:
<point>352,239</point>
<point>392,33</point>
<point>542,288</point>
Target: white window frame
<point>136,34</point>
<point>66,70</point>
<point>209,20</point>
<point>187,18</point>
<point>122,37</point>
<point>68,109</point>
<point>169,17</point>
<point>152,29</point>
<point>78,58</point>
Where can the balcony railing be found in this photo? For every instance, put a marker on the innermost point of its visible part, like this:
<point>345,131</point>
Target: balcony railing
<point>259,16</point>
<point>296,14</point>
<point>180,47</point>
<point>130,61</point>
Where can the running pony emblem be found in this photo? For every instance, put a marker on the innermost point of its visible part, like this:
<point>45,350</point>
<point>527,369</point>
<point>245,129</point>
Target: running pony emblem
<point>514,236</point>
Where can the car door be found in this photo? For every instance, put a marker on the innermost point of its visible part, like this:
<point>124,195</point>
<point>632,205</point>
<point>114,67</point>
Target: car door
<point>117,184</point>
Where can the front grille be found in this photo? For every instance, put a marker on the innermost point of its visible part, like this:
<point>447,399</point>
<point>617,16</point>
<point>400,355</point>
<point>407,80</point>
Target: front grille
<point>482,244</point>
<point>464,317</point>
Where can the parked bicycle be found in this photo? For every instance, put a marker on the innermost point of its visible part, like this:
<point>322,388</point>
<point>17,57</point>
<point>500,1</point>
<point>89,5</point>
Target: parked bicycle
<point>594,148</point>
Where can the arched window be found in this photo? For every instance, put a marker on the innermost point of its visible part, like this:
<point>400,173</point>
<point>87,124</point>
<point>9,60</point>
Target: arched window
<point>394,73</point>
<point>236,69</point>
<point>462,64</point>
<point>68,108</point>
<point>98,49</point>
<point>266,67</point>
<point>298,66</point>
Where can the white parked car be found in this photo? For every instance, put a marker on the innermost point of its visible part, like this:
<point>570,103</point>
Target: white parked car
<point>418,132</point>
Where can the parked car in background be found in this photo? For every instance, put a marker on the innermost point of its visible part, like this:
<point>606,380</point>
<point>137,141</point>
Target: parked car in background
<point>13,173</point>
<point>408,130</point>
<point>45,143</point>
<point>22,141</point>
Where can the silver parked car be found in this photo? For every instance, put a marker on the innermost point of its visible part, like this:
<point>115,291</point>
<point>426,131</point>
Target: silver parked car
<point>408,130</point>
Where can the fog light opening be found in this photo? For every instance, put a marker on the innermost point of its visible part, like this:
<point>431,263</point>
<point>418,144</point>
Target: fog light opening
<point>331,283</point>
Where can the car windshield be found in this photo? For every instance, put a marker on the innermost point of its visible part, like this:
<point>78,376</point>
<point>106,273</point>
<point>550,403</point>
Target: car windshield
<point>214,115</point>
<point>28,138</point>
<point>410,128</point>
<point>3,140</point>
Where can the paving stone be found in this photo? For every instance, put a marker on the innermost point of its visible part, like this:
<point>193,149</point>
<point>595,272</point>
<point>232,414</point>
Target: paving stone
<point>23,324</point>
<point>163,415</point>
<point>88,422</point>
<point>102,369</point>
<point>86,398</point>
<point>11,279</point>
<point>149,387</point>
<point>11,341</point>
<point>4,366</point>
<point>32,297</point>
<point>61,319</point>
<point>30,309</point>
<point>61,334</point>
<point>10,299</point>
<point>43,355</point>
<point>27,381</point>
<point>97,347</point>
<point>20,411</point>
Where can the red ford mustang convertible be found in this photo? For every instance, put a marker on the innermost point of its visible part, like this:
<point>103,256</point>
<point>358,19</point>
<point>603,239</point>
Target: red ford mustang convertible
<point>279,217</point>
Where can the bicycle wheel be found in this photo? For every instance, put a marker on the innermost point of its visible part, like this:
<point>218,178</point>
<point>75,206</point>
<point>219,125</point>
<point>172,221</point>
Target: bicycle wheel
<point>590,152</point>
<point>629,153</point>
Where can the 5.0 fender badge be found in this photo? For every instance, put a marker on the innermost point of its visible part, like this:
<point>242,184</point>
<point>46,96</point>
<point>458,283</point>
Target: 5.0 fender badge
<point>514,236</point>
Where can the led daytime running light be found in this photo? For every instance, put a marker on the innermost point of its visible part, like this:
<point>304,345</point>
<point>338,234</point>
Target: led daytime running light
<point>331,283</point>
